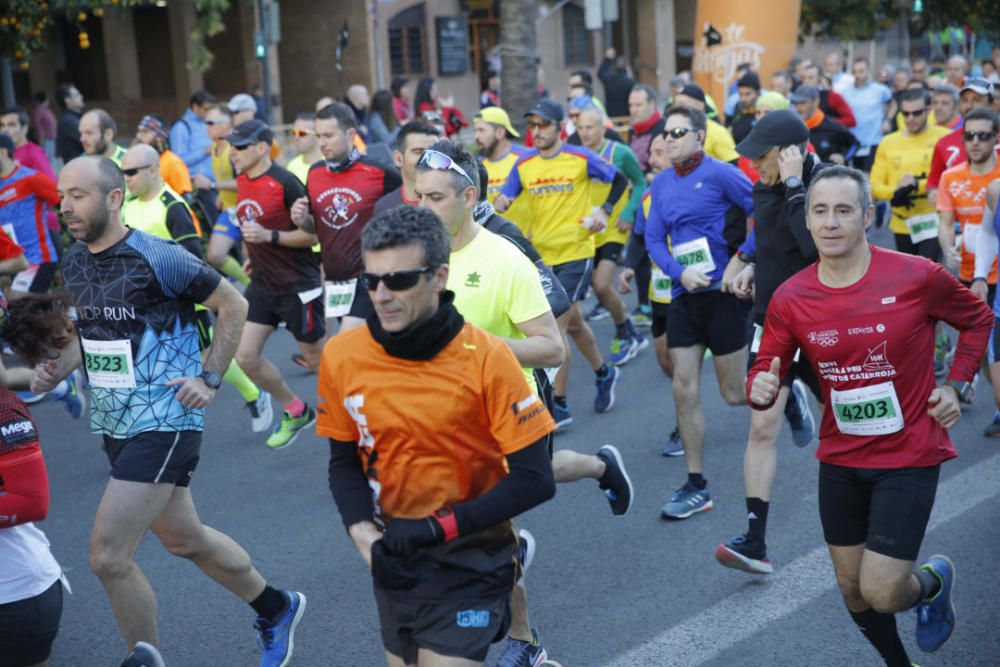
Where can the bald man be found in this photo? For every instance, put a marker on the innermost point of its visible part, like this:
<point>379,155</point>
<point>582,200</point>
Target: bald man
<point>359,101</point>
<point>955,70</point>
<point>97,134</point>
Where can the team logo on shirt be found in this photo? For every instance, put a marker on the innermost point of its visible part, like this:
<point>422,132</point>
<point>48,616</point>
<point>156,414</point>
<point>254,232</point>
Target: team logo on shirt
<point>550,186</point>
<point>335,207</point>
<point>472,280</point>
<point>826,338</point>
<point>249,210</point>
<point>876,360</point>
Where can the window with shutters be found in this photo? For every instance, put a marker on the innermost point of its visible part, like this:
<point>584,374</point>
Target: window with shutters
<point>578,48</point>
<point>407,42</point>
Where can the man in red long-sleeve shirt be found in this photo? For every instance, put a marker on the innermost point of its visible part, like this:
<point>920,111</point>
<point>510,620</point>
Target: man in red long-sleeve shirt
<point>950,149</point>
<point>864,318</point>
<point>831,102</point>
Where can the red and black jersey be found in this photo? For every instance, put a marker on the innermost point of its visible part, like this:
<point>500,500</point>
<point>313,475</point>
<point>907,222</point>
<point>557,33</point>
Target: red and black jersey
<point>342,202</point>
<point>871,345</point>
<point>268,200</point>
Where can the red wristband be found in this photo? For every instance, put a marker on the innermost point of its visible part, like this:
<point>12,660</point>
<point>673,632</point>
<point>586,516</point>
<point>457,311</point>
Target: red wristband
<point>446,519</point>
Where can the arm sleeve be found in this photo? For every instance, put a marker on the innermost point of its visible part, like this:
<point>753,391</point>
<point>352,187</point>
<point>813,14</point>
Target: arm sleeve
<point>180,273</point>
<point>618,187</point>
<point>633,172</point>
<point>950,301</point>
<point>44,188</point>
<point>528,483</point>
<point>937,166</point>
<point>390,181</point>
<point>24,483</point>
<point>738,189</point>
<point>850,142</point>
<point>512,187</point>
<point>657,231</point>
<point>776,341</point>
<point>986,245</point>
<point>348,484</point>
<point>842,109</point>
<point>182,230</point>
<point>881,188</point>
<point>504,385</point>
<point>293,190</point>
<point>750,245</point>
<point>635,249</point>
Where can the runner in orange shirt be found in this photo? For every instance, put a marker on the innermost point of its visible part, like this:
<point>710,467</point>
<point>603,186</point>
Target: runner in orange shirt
<point>396,399</point>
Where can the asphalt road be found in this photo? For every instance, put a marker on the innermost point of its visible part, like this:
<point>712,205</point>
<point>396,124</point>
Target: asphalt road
<point>633,590</point>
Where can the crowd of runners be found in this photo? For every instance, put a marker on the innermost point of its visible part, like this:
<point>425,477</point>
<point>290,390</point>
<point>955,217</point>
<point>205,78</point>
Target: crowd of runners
<point>433,279</point>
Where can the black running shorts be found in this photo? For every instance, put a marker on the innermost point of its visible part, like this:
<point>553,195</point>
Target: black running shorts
<point>714,319</point>
<point>929,248</point>
<point>610,251</point>
<point>155,457</point>
<point>660,318</point>
<point>28,627</point>
<point>463,629</point>
<point>574,277</point>
<point>884,509</point>
<point>305,321</point>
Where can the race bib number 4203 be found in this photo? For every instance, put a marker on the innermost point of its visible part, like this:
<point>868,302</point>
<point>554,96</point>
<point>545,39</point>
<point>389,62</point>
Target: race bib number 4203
<point>872,410</point>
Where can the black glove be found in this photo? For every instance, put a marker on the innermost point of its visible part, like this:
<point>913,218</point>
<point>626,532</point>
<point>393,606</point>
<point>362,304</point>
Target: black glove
<point>406,536</point>
<point>393,572</point>
<point>903,196</point>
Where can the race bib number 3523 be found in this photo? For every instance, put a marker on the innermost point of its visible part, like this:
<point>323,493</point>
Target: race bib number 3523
<point>109,363</point>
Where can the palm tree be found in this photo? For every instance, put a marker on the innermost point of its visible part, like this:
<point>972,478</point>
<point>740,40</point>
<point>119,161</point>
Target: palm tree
<point>518,58</point>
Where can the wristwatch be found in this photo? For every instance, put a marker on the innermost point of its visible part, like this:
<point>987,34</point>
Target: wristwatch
<point>793,182</point>
<point>211,379</point>
<point>274,237</point>
<point>746,258</point>
<point>607,208</point>
<point>963,389</point>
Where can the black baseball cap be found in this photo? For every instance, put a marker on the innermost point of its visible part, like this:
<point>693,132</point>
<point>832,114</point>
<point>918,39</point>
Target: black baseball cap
<point>548,109</point>
<point>694,91</point>
<point>778,128</point>
<point>251,132</point>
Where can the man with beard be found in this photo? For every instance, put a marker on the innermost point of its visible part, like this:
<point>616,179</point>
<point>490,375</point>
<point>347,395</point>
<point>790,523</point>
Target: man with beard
<point>97,135</point>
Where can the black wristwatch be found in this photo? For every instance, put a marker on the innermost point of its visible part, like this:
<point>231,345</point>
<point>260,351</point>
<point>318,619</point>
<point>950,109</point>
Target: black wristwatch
<point>793,182</point>
<point>963,389</point>
<point>211,379</point>
<point>274,237</point>
<point>607,208</point>
<point>746,258</point>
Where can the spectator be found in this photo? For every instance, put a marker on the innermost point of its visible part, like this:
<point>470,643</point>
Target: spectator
<point>919,69</point>
<point>956,69</point>
<point>45,124</point>
<point>257,93</point>
<point>490,97</point>
<point>400,101</point>
<point>868,100</point>
<point>833,142</point>
<point>359,100</point>
<point>646,122</point>
<point>426,100</point>
<point>581,77</point>
<point>732,102</point>
<point>153,132</point>
<point>383,126</point>
<point>945,102</point>
<point>741,122</point>
<point>989,71</point>
<point>68,144</point>
<point>781,82</point>
<point>618,85</point>
<point>190,141</point>
<point>833,68</point>
<point>14,123</point>
<point>831,102</point>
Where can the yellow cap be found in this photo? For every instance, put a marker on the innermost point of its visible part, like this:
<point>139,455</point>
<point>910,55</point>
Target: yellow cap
<point>775,101</point>
<point>497,116</point>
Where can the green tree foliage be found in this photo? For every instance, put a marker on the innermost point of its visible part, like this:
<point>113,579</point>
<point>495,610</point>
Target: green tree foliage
<point>861,19</point>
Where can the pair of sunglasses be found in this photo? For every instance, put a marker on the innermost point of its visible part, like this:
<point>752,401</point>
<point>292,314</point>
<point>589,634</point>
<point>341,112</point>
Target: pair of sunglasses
<point>981,136</point>
<point>397,281</point>
<point>135,170</point>
<point>441,162</point>
<point>677,132</point>
<point>302,133</point>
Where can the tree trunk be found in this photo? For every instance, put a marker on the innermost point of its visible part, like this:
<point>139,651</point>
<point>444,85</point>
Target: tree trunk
<point>518,58</point>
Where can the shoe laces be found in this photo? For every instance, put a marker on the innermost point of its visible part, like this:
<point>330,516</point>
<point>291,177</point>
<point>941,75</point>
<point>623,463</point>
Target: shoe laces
<point>515,650</point>
<point>265,634</point>
<point>688,488</point>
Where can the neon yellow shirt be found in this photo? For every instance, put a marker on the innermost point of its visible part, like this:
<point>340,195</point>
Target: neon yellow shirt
<point>496,287</point>
<point>719,143</point>
<point>222,166</point>
<point>903,153</point>
<point>299,167</point>
<point>561,191</point>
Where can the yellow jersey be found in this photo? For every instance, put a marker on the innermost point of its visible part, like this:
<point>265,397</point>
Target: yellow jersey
<point>498,170</point>
<point>223,169</point>
<point>660,285</point>
<point>561,192</point>
<point>719,143</point>
<point>904,153</point>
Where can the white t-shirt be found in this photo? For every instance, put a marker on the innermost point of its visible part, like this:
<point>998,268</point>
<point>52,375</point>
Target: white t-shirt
<point>27,566</point>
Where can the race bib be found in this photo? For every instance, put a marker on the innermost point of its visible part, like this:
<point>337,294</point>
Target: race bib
<point>22,280</point>
<point>339,297</point>
<point>969,235</point>
<point>870,410</point>
<point>695,255</point>
<point>109,363</point>
<point>922,227</point>
<point>661,286</point>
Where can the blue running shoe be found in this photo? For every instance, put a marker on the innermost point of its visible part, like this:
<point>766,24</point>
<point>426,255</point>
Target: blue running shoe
<point>605,399</point>
<point>143,655</point>
<point>799,415</point>
<point>517,653</point>
<point>686,501</point>
<point>30,398</point>
<point>936,614</point>
<point>622,350</point>
<point>277,642</point>
<point>73,397</point>
<point>674,446</point>
<point>562,417</point>
<point>742,554</point>
<point>615,482</point>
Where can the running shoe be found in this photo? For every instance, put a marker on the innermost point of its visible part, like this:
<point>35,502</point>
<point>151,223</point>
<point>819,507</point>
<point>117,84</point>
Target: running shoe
<point>525,551</point>
<point>277,641</point>
<point>289,427</point>
<point>615,482</point>
<point>623,350</point>
<point>686,501</point>
<point>562,417</point>
<point>517,653</point>
<point>993,428</point>
<point>799,415</point>
<point>674,446</point>
<point>144,655</point>
<point>605,399</point>
<point>73,398</point>
<point>299,360</point>
<point>936,615</point>
<point>742,554</point>
<point>261,412</point>
<point>598,312</point>
<point>642,317</point>
<point>30,398</point>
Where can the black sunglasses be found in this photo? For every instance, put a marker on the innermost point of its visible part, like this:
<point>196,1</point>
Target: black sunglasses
<point>397,281</point>
<point>135,170</point>
<point>914,114</point>
<point>982,136</point>
<point>677,132</point>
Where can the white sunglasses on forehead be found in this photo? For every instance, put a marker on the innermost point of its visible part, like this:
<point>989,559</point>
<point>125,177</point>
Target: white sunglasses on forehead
<point>441,162</point>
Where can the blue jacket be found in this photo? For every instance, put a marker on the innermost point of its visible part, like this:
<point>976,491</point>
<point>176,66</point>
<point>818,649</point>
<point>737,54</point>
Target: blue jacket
<point>190,141</point>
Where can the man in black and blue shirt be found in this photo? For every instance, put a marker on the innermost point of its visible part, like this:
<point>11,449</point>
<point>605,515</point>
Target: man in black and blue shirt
<point>134,296</point>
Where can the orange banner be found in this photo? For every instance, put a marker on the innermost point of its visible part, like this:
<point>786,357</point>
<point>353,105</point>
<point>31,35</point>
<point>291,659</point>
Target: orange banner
<point>731,32</point>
